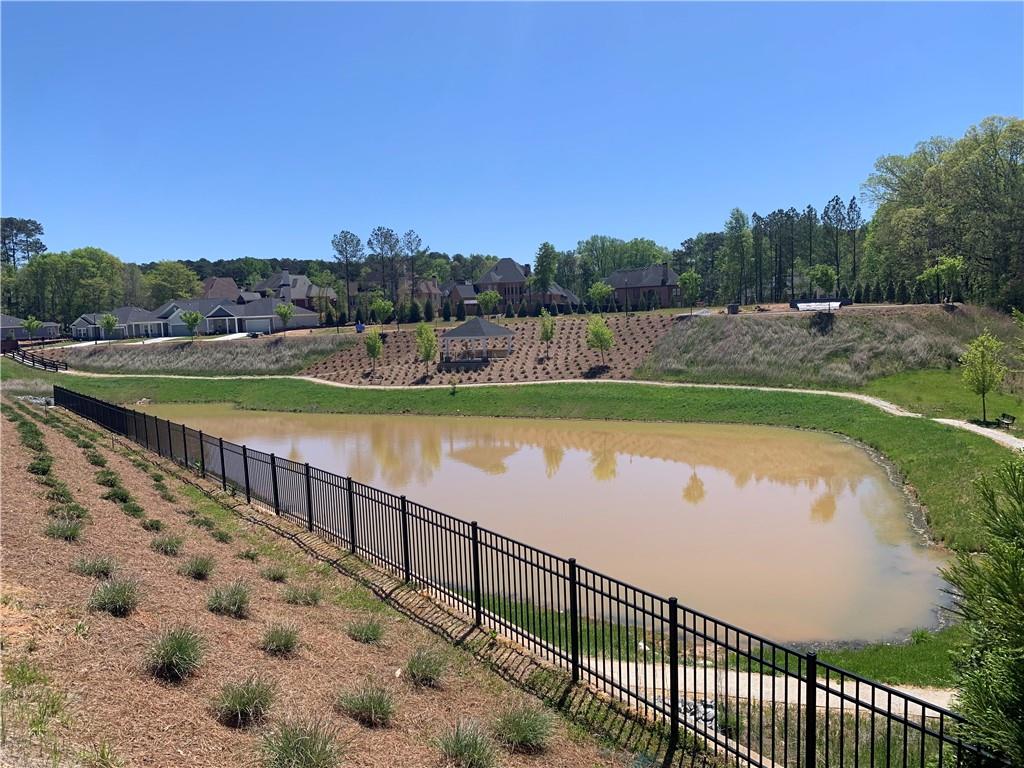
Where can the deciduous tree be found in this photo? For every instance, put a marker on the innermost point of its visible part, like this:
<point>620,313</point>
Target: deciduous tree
<point>169,280</point>
<point>983,368</point>
<point>599,335</point>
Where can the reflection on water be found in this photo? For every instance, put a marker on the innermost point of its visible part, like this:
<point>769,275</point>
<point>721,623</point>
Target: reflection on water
<point>793,534</point>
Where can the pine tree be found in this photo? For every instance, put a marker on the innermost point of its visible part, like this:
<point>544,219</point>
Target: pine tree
<point>858,294</point>
<point>428,310</point>
<point>522,309</point>
<point>890,291</point>
<point>460,311</point>
<point>902,292</point>
<point>415,313</point>
<point>446,311</point>
<point>508,309</point>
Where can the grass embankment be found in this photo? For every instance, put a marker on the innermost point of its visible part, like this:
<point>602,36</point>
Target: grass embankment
<point>276,355</point>
<point>939,462</point>
<point>787,350</point>
<point>942,395</point>
<point>925,660</point>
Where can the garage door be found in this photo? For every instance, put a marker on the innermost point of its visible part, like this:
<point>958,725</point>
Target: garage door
<point>262,325</point>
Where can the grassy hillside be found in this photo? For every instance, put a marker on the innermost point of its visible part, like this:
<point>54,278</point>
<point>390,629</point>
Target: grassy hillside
<point>785,350</point>
<point>276,355</point>
<point>939,462</point>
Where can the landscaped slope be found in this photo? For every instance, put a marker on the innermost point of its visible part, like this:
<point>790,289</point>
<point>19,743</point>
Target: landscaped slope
<point>863,343</point>
<point>128,554</point>
<point>530,360</point>
<point>276,355</point>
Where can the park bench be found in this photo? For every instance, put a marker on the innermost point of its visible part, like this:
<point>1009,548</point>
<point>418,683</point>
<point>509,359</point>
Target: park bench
<point>1006,420</point>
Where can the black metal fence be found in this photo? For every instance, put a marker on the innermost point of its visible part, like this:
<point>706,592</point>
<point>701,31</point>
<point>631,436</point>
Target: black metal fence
<point>37,361</point>
<point>711,684</point>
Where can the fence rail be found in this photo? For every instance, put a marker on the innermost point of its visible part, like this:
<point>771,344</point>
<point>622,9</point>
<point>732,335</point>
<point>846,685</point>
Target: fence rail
<point>36,361</point>
<point>714,685</point>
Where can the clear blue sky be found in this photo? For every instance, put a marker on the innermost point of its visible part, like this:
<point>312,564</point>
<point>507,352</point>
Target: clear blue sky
<point>192,130</point>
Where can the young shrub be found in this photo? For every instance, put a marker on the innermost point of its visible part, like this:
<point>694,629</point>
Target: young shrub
<point>371,705</point>
<point>157,477</point>
<point>524,727</point>
<point>175,654</point>
<point>59,492</point>
<point>118,495</point>
<point>301,744</point>
<point>221,536</point>
<point>118,597</point>
<point>168,545</point>
<point>202,522</point>
<point>198,567</point>
<point>240,705</point>
<point>96,567</point>
<point>70,511</point>
<point>249,554</point>
<point>302,595</point>
<point>166,495</point>
<point>369,631</point>
<point>133,510</point>
<point>152,524</point>
<point>276,573</point>
<point>41,464</point>
<point>426,667</point>
<point>93,457</point>
<point>107,478</point>
<point>280,640</point>
<point>64,529</point>
<point>467,745</point>
<point>230,600</point>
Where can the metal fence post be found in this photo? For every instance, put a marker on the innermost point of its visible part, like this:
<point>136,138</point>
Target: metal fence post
<point>223,469</point>
<point>673,673</point>
<point>309,500</point>
<point>145,430</point>
<point>156,428</point>
<point>351,514</point>
<point>574,620</point>
<point>273,477</point>
<point>477,596</point>
<point>405,540</point>
<point>170,440</point>
<point>202,455</point>
<point>184,445</point>
<point>245,466</point>
<point>811,712</point>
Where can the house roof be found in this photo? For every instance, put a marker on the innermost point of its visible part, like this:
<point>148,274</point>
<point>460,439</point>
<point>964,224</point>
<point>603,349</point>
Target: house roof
<point>287,286</point>
<point>652,276</point>
<point>505,271</point>
<point>259,308</point>
<point>10,321</point>
<point>463,292</point>
<point>202,306</point>
<point>220,288</point>
<point>124,316</point>
<point>478,328</point>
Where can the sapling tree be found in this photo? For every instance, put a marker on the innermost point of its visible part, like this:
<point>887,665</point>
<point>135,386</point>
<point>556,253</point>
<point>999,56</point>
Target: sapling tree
<point>426,344</point>
<point>689,288</point>
<point>109,324</point>
<point>488,301</point>
<point>191,319</point>
<point>599,294</point>
<point>285,312</point>
<point>374,346</point>
<point>547,331</point>
<point>599,335</point>
<point>983,370</point>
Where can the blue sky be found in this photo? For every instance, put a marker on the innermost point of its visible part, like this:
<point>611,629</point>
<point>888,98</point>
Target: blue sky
<point>222,130</point>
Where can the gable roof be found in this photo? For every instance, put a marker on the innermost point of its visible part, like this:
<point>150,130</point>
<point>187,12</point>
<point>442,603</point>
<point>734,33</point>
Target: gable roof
<point>124,315</point>
<point>220,288</point>
<point>202,306</point>
<point>505,271</point>
<point>652,276</point>
<point>477,328</point>
<point>10,321</point>
<point>287,286</point>
<point>463,292</point>
<point>261,308</point>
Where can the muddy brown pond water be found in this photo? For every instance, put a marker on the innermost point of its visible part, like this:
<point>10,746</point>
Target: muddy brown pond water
<point>796,535</point>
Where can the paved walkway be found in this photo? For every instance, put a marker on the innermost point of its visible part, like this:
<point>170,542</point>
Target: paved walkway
<point>1000,436</point>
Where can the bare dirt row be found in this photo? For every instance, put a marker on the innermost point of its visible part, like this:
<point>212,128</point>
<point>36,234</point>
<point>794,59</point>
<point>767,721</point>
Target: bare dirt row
<point>97,660</point>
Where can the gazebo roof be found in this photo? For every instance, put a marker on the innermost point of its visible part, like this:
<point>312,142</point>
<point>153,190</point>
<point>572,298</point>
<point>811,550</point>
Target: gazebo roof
<point>478,328</point>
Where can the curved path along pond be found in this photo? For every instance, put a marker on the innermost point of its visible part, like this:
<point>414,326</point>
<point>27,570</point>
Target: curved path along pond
<point>796,535</point>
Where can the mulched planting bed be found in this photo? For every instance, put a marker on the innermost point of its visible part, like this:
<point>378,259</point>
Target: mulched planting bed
<point>570,358</point>
<point>98,659</point>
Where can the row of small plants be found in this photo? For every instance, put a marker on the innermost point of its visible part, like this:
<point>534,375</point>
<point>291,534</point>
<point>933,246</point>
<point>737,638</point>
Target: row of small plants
<point>177,653</point>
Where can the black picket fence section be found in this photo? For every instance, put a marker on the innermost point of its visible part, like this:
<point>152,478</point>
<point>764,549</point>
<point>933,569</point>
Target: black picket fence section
<point>708,683</point>
<point>36,361</point>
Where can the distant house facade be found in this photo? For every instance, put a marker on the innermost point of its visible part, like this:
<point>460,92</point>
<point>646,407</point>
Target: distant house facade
<point>220,288</point>
<point>298,289</point>
<point>14,328</point>
<point>132,322</point>
<point>219,316</point>
<point>511,281</point>
<point>657,284</point>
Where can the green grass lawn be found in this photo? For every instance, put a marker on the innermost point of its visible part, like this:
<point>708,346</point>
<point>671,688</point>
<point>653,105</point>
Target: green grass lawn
<point>942,394</point>
<point>926,659</point>
<point>939,462</point>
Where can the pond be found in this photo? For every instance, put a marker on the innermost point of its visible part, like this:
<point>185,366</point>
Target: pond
<point>796,535</point>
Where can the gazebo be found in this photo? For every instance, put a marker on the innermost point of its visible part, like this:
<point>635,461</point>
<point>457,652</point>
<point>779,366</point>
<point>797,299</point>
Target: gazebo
<point>478,340</point>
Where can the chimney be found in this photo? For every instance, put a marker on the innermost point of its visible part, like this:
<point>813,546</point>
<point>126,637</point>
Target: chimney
<point>526,270</point>
<point>664,273</point>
